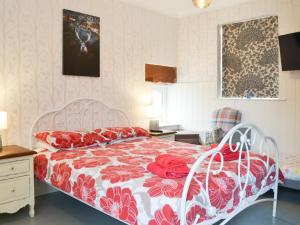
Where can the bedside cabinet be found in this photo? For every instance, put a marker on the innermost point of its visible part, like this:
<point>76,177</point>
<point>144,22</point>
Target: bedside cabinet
<point>16,179</point>
<point>165,134</point>
<point>190,137</point>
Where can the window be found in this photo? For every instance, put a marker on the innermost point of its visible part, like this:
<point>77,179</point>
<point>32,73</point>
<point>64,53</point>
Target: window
<point>160,101</point>
<point>249,59</point>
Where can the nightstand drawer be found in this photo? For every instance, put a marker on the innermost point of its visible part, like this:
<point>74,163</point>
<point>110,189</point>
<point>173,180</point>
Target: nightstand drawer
<point>14,189</point>
<point>15,167</point>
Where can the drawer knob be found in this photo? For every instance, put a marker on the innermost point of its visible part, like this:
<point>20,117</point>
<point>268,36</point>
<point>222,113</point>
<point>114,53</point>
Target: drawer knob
<point>13,190</point>
<point>12,168</point>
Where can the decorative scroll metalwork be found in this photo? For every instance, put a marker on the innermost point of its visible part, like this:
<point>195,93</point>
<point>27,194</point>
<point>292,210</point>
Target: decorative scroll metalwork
<point>80,114</point>
<point>244,145</point>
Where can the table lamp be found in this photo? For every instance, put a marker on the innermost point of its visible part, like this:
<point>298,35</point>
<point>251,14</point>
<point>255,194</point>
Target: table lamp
<point>3,125</point>
<point>153,113</point>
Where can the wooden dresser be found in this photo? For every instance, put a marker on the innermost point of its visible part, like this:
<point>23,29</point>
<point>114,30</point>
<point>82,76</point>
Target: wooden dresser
<point>16,179</point>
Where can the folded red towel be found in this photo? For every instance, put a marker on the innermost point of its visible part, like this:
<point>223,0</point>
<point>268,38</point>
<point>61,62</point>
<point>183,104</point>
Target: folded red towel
<point>169,161</point>
<point>175,172</point>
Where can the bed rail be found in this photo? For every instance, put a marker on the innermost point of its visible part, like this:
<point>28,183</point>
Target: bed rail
<point>244,145</point>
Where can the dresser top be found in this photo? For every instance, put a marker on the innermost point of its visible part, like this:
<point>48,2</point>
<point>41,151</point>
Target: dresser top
<point>12,151</point>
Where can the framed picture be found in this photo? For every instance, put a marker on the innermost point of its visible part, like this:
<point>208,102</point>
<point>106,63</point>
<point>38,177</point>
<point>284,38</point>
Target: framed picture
<point>81,44</point>
<point>249,59</point>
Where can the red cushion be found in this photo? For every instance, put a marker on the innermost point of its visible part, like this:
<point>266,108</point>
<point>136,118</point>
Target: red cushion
<point>118,133</point>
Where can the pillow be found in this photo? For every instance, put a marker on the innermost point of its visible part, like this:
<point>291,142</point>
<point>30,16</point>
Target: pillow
<point>120,133</point>
<point>211,137</point>
<point>140,132</point>
<point>71,139</point>
<point>41,146</point>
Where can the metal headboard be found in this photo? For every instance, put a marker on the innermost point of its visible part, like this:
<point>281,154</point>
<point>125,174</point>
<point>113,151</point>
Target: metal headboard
<point>80,114</point>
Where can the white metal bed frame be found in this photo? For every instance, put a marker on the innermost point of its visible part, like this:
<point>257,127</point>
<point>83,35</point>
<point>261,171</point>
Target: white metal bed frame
<point>258,141</point>
<point>86,114</point>
<point>79,114</point>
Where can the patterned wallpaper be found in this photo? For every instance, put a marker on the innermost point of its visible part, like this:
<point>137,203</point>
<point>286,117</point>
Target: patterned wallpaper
<point>31,80</point>
<point>250,53</point>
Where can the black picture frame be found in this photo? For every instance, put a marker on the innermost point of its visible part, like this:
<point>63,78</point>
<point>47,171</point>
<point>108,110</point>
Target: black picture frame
<point>81,44</point>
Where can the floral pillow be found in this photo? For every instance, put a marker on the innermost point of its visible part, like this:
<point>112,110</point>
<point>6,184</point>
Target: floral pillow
<point>71,139</point>
<point>140,132</point>
<point>120,133</point>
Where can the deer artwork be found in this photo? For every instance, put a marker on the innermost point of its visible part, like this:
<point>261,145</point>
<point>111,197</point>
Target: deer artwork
<point>83,47</point>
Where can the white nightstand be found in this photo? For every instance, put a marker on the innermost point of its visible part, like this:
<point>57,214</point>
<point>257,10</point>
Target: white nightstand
<point>16,179</point>
<point>165,134</point>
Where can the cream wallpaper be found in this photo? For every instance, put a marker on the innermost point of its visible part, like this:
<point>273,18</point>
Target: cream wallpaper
<point>31,80</point>
<point>193,99</point>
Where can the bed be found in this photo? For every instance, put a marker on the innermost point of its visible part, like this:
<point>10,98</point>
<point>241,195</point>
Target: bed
<point>114,180</point>
<point>290,167</point>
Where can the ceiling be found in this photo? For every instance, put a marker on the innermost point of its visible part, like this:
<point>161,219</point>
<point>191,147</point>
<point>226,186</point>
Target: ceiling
<point>180,8</point>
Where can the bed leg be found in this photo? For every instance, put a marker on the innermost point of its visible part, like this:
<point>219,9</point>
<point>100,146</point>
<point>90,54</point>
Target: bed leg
<point>275,190</point>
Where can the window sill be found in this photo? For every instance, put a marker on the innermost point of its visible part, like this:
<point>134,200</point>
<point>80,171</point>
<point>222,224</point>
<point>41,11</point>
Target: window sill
<point>255,99</point>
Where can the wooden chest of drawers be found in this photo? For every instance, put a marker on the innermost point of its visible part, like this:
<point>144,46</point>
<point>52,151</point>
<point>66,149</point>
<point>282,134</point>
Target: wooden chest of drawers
<point>16,179</point>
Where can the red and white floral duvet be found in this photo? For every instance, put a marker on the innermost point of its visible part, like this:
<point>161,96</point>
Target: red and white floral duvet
<point>114,180</point>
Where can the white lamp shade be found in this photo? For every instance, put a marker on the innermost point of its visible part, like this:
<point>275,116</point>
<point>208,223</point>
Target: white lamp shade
<point>3,120</point>
<point>153,112</point>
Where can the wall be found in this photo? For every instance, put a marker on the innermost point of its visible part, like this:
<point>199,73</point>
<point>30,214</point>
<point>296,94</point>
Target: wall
<point>193,99</point>
<point>31,80</point>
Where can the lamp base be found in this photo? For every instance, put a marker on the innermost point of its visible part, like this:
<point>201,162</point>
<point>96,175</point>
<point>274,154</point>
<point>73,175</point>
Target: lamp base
<point>154,125</point>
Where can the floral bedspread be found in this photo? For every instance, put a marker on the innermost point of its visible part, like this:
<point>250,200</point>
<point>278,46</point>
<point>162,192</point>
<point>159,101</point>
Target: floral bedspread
<point>114,179</point>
